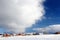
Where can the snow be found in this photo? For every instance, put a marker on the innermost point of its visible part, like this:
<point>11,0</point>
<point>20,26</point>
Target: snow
<point>35,37</point>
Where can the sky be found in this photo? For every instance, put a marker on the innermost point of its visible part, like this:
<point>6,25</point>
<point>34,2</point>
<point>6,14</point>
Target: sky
<point>52,15</point>
<point>17,15</point>
<point>49,18</point>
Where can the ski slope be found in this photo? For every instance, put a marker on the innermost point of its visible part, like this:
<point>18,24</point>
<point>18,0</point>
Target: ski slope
<point>36,37</point>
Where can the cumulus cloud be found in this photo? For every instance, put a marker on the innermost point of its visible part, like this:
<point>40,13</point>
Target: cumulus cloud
<point>17,15</point>
<point>50,28</point>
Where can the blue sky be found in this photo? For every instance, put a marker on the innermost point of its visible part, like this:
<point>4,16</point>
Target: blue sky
<point>52,14</point>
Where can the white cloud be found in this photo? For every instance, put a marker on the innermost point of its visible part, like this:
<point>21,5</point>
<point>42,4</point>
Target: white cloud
<point>17,15</point>
<point>50,28</point>
<point>55,28</point>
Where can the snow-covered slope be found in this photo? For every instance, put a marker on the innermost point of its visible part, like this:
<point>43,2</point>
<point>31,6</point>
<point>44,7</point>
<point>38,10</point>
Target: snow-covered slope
<point>37,37</point>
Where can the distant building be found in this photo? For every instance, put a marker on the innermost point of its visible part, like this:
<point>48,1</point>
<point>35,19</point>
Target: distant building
<point>1,35</point>
<point>57,33</point>
<point>35,33</point>
<point>6,35</point>
<point>28,33</point>
<point>20,34</point>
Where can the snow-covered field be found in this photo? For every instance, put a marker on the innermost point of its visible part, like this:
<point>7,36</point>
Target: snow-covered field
<point>36,37</point>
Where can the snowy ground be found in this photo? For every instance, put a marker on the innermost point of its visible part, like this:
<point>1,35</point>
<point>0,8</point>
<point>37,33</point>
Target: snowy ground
<point>37,37</point>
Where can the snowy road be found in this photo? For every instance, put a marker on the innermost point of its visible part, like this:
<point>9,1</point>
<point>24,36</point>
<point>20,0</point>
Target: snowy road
<point>37,37</point>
